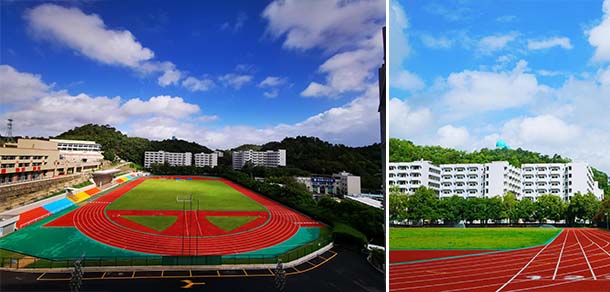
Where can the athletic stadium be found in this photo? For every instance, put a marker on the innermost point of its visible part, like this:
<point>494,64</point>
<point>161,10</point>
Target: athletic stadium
<point>160,221</point>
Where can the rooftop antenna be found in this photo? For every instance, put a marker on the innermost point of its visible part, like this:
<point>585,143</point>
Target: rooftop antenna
<point>9,131</point>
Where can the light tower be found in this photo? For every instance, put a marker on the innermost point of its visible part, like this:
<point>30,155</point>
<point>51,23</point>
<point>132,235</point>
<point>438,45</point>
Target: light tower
<point>9,129</point>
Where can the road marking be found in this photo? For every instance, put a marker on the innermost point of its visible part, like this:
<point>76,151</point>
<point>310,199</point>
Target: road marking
<point>559,259</point>
<point>246,273</point>
<point>534,277</point>
<point>189,284</point>
<point>586,258</point>
<point>524,267</point>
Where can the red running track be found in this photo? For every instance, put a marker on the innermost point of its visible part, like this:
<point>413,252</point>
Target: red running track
<point>92,220</point>
<point>577,260</point>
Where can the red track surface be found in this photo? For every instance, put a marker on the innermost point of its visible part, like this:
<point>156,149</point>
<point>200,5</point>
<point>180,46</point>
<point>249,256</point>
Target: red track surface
<point>577,260</point>
<point>92,221</point>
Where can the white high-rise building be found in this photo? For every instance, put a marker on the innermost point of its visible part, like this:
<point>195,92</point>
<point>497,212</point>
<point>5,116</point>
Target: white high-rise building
<point>259,158</point>
<point>205,159</point>
<point>347,184</point>
<point>496,178</point>
<point>171,158</point>
<point>409,176</point>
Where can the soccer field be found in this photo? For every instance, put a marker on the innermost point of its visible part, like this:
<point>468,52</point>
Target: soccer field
<point>469,238</point>
<point>162,194</point>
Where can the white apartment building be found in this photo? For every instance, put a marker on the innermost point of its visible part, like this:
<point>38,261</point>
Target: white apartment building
<point>205,159</point>
<point>171,158</point>
<point>259,158</point>
<point>495,178</point>
<point>562,179</point>
<point>409,176</point>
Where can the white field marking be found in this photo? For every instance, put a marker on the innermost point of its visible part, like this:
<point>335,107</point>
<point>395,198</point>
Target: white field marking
<point>417,278</point>
<point>198,225</point>
<point>586,258</point>
<point>595,243</point>
<point>602,239</point>
<point>560,253</point>
<point>573,277</point>
<point>186,224</point>
<point>524,267</point>
<point>534,277</point>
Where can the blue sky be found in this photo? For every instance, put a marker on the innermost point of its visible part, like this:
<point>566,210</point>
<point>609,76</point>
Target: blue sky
<point>536,74</point>
<point>218,73</point>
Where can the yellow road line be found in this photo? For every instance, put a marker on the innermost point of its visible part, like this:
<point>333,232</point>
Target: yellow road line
<point>246,273</point>
<point>40,276</point>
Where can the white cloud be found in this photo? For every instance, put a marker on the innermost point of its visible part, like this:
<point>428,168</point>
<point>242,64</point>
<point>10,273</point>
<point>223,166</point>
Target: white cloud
<point>599,35</point>
<point>194,84</point>
<point>327,24</point>
<point>453,137</point>
<point>207,119</point>
<point>493,43</point>
<point>441,42</point>
<point>506,18</point>
<point>407,123</point>
<point>472,91</point>
<point>347,72</point>
<point>406,81</point>
<point>87,34</point>
<point>399,46</point>
<point>353,123</point>
<point>604,76</point>
<point>169,77</point>
<point>235,80</point>
<point>272,81</point>
<point>18,87</point>
<point>562,42</point>
<point>239,23</point>
<point>160,105</point>
<point>540,130</point>
<point>271,94</point>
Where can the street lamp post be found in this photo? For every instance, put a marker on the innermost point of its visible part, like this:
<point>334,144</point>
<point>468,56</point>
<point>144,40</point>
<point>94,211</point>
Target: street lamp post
<point>607,221</point>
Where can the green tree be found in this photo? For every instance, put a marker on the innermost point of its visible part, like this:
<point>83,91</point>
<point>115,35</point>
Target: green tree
<point>422,205</point>
<point>509,207</point>
<point>398,205</point>
<point>525,209</point>
<point>452,209</point>
<point>550,207</point>
<point>582,207</point>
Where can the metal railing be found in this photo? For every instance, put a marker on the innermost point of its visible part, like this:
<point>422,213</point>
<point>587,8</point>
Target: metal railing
<point>28,262</point>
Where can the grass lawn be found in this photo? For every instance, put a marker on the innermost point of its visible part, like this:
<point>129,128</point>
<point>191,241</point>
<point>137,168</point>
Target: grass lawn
<point>158,223</point>
<point>9,254</point>
<point>229,223</point>
<point>469,238</point>
<point>161,194</point>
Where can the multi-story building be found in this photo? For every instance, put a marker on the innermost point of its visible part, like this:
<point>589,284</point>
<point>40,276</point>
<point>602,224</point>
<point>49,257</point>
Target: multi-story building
<point>343,183</point>
<point>171,158</point>
<point>259,158</point>
<point>347,184</point>
<point>495,178</point>
<point>562,179</point>
<point>409,176</point>
<point>205,159</point>
<point>32,159</point>
<point>319,185</point>
<point>77,150</point>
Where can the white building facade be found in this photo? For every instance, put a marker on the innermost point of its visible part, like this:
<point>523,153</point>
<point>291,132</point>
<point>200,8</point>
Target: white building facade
<point>205,159</point>
<point>259,158</point>
<point>171,158</point>
<point>409,176</point>
<point>495,178</point>
<point>77,150</point>
<point>347,184</point>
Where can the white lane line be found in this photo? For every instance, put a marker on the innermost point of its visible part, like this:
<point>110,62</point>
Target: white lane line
<point>560,253</point>
<point>587,259</point>
<point>524,267</point>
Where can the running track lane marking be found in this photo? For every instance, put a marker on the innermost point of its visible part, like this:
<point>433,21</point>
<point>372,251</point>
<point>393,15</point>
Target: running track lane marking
<point>598,244</point>
<point>524,267</point>
<point>560,253</point>
<point>586,258</point>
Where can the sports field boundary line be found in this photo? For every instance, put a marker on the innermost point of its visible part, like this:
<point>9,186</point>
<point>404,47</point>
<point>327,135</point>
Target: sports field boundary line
<point>472,254</point>
<point>524,267</point>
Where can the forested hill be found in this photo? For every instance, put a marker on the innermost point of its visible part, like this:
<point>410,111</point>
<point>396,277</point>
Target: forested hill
<point>129,148</point>
<point>405,151</point>
<point>319,157</point>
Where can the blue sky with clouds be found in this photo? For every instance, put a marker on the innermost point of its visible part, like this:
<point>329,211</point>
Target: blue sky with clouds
<point>218,73</point>
<point>464,74</point>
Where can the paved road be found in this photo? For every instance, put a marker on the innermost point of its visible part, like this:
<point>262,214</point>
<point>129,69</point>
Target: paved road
<point>347,271</point>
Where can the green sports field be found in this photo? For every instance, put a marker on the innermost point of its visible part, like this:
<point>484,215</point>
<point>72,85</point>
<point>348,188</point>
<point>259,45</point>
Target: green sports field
<point>469,238</point>
<point>161,194</point>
